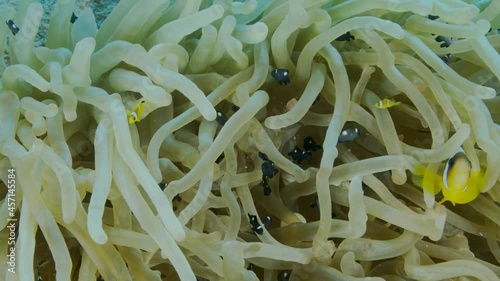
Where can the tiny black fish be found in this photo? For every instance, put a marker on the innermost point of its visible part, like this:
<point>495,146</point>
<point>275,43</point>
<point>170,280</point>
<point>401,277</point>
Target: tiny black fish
<point>263,156</point>
<point>221,118</point>
<point>12,26</point>
<point>267,220</point>
<point>299,155</point>
<point>432,17</point>
<point>253,219</point>
<point>255,224</point>
<point>349,135</point>
<point>250,266</point>
<point>73,18</point>
<point>281,75</point>
<point>266,187</point>
<point>345,37</point>
<point>268,169</point>
<point>310,144</point>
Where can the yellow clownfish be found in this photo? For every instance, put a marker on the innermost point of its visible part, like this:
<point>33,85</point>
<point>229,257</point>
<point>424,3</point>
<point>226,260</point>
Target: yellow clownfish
<point>135,116</point>
<point>386,103</point>
<point>459,184</point>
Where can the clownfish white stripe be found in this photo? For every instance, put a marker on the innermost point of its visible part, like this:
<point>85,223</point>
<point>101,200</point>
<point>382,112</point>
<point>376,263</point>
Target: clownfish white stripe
<point>458,156</point>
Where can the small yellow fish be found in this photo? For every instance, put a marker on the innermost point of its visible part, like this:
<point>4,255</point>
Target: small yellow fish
<point>386,103</point>
<point>135,116</point>
<point>459,184</point>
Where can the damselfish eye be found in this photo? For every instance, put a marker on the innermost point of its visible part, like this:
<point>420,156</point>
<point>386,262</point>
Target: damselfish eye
<point>254,223</point>
<point>281,75</point>
<point>268,168</point>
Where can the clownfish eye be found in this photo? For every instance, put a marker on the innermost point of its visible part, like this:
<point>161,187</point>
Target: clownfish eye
<point>281,75</point>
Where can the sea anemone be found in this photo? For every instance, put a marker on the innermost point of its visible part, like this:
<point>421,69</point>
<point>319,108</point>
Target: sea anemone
<point>250,140</point>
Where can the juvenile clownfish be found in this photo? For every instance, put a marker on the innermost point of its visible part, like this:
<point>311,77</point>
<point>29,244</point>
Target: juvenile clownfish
<point>386,103</point>
<point>135,116</point>
<point>459,184</point>
<point>12,26</point>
